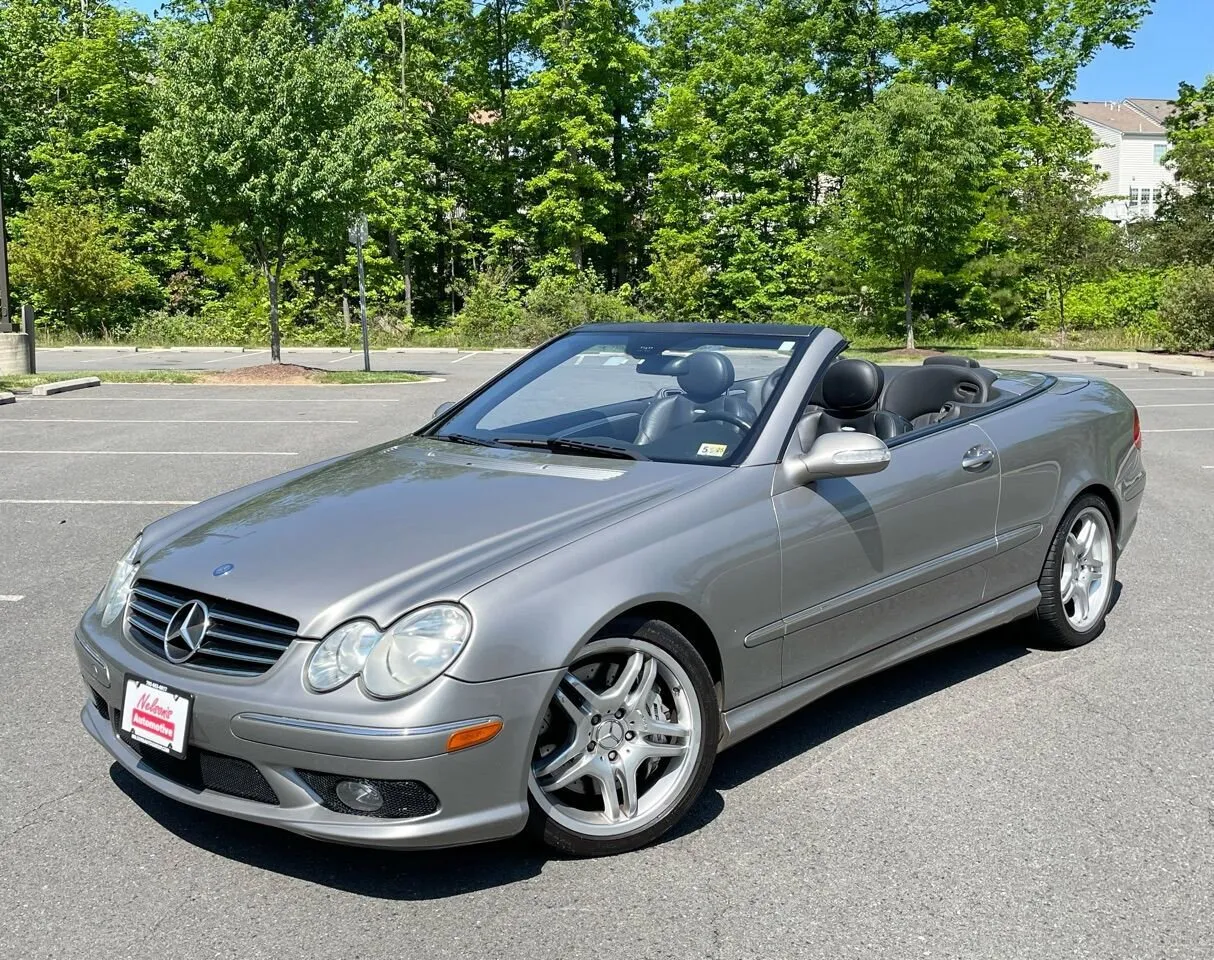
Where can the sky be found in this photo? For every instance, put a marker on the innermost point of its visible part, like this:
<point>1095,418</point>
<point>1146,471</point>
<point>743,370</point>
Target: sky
<point>1176,42</point>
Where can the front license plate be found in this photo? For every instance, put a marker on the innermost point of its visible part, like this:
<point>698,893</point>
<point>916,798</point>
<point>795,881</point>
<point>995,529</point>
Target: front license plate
<point>156,716</point>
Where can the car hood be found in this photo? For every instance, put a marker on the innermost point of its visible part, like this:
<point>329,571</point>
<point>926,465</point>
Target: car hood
<point>416,520</point>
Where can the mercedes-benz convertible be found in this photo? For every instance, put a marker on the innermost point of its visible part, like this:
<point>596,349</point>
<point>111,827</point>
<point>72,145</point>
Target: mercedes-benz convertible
<point>552,606</point>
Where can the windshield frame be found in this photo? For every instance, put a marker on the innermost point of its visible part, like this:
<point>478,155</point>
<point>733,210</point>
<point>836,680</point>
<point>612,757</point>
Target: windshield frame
<point>801,336</point>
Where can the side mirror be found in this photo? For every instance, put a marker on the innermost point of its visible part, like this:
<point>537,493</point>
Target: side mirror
<point>443,408</point>
<point>843,454</point>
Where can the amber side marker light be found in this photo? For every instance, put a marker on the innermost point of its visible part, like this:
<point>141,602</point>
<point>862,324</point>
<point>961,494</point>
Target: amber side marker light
<point>474,735</point>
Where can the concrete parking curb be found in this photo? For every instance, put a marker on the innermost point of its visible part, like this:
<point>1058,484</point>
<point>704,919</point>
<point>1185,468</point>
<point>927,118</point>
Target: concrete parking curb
<point>63,386</point>
<point>206,349</point>
<point>512,351</point>
<point>1179,371</point>
<point>6,397</point>
<point>418,350</point>
<point>1119,364</point>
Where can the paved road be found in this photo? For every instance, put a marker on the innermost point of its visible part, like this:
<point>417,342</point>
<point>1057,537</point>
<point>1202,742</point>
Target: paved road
<point>991,800</point>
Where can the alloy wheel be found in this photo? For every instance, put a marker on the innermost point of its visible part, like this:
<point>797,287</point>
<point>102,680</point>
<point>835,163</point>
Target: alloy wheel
<point>619,741</point>
<point>1086,555</point>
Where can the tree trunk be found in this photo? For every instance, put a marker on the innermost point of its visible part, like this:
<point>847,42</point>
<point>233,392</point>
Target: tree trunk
<point>275,340</point>
<point>1061,305</point>
<point>408,269</point>
<point>908,279</point>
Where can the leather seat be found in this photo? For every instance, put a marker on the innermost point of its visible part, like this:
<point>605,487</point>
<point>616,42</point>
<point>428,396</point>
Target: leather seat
<point>704,377</point>
<point>851,390</point>
<point>922,393</point>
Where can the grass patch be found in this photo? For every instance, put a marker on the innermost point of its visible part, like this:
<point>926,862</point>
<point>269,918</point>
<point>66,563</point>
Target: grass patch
<point>25,381</point>
<point>362,376</point>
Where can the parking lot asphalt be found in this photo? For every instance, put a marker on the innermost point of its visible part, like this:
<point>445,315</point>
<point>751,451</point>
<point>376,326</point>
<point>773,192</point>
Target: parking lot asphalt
<point>989,800</point>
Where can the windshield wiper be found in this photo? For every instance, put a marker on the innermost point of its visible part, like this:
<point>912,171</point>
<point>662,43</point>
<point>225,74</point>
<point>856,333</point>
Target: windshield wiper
<point>464,438</point>
<point>563,444</point>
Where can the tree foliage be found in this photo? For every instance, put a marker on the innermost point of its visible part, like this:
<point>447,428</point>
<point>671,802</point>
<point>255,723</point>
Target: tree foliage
<point>748,160</point>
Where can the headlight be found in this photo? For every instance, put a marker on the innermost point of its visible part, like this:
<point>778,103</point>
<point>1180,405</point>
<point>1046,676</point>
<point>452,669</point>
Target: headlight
<point>406,656</point>
<point>114,597</point>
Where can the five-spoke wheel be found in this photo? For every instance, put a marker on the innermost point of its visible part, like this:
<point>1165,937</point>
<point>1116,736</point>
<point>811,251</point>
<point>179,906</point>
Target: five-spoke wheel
<point>626,742</point>
<point>1080,570</point>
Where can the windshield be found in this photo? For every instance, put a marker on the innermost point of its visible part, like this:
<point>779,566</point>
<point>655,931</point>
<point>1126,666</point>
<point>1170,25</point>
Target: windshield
<point>650,395</point>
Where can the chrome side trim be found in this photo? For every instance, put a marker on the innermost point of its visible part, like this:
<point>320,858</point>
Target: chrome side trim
<point>1019,536</point>
<point>895,583</point>
<point>749,718</point>
<point>772,631</point>
<point>354,730</point>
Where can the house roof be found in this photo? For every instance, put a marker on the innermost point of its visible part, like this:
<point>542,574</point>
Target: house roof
<point>1157,110</point>
<point>1124,116</point>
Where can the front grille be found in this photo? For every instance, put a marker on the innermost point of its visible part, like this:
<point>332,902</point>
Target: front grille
<point>240,640</point>
<point>204,770</point>
<point>403,799</point>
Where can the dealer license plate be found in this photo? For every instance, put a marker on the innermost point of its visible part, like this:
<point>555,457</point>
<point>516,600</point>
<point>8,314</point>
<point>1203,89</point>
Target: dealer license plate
<point>154,715</point>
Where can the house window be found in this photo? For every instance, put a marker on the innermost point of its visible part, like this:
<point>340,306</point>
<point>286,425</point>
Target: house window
<point>1135,197</point>
<point>1160,150</point>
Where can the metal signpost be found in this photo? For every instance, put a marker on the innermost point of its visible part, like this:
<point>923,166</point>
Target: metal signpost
<point>358,236</point>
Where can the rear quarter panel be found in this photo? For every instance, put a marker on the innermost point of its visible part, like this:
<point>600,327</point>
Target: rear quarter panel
<point>1052,447</point>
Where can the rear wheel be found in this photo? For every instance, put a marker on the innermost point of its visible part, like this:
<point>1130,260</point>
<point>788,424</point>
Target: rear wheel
<point>1078,576</point>
<point>627,743</point>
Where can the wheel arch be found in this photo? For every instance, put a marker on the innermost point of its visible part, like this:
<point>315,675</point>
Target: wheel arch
<point>686,621</point>
<point>1105,494</point>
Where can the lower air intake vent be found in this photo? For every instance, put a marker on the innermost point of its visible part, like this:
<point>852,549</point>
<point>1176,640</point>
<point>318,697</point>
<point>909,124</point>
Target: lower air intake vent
<point>402,799</point>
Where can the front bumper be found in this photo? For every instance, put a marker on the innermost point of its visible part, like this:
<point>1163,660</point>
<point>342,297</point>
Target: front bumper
<point>280,728</point>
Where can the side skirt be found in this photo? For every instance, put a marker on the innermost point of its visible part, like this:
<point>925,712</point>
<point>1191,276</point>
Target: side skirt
<point>741,722</point>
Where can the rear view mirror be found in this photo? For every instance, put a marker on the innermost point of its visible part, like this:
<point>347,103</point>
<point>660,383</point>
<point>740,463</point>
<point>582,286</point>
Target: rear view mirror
<point>843,454</point>
<point>443,408</point>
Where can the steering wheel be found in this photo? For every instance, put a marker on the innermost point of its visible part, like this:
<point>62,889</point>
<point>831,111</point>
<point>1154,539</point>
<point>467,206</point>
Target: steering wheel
<point>723,417</point>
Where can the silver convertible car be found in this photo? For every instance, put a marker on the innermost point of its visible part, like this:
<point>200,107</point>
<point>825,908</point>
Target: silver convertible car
<point>553,605</point>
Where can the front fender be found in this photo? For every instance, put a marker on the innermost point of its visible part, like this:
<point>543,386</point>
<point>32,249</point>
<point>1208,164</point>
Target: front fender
<point>714,551</point>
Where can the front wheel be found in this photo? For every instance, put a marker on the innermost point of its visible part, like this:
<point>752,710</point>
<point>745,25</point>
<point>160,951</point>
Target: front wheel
<point>1078,576</point>
<point>626,744</point>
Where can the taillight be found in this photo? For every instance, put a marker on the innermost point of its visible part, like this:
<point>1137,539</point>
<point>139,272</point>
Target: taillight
<point>1137,430</point>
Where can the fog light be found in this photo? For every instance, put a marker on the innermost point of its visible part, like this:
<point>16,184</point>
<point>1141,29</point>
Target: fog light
<point>360,795</point>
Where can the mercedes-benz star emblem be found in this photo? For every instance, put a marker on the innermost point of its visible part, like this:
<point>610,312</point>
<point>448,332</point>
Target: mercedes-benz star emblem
<point>186,631</point>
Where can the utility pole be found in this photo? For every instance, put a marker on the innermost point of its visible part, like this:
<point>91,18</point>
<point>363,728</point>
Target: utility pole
<point>358,236</point>
<point>6,320</point>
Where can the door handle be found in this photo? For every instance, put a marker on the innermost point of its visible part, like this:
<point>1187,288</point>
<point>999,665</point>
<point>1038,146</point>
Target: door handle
<point>977,458</point>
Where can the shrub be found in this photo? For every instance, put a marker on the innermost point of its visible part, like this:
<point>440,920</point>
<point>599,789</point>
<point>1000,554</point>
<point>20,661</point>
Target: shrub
<point>1186,309</point>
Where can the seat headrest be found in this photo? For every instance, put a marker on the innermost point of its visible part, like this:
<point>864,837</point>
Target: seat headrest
<point>852,385</point>
<point>705,375</point>
<point>950,360</point>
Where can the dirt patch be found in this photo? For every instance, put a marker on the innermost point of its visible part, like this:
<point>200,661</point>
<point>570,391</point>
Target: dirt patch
<point>267,373</point>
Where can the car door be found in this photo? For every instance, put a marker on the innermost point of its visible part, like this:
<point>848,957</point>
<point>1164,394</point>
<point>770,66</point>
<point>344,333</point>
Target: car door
<point>868,559</point>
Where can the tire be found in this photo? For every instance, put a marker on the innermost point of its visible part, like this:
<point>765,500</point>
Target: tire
<point>1066,573</point>
<point>625,748</point>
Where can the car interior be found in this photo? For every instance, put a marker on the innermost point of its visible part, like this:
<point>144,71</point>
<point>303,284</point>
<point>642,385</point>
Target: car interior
<point>705,412</point>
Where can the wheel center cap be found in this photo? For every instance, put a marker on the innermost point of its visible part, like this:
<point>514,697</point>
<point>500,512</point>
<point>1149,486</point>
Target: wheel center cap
<point>609,734</point>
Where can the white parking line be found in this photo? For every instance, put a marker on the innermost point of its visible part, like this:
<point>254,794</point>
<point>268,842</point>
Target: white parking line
<point>157,453</point>
<point>11,597</point>
<point>1166,389</point>
<point>347,356</point>
<point>465,357</point>
<point>125,420</point>
<point>1156,406</point>
<point>1174,430</point>
<point>111,503</point>
<point>236,356</point>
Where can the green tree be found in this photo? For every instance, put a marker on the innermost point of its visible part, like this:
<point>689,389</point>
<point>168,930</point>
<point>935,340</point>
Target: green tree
<point>1184,231</point>
<point>1059,230</point>
<point>914,165</point>
<point>70,260</point>
<point>265,128</point>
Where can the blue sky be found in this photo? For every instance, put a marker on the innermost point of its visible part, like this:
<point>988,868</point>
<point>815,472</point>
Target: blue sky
<point>1175,43</point>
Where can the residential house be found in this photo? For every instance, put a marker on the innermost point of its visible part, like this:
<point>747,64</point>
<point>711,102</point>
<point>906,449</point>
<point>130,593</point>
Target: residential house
<point>1132,142</point>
